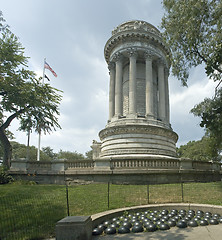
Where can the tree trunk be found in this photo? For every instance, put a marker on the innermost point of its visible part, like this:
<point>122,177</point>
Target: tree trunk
<point>7,148</point>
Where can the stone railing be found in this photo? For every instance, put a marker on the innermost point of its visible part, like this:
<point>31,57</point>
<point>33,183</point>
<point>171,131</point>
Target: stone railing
<point>83,164</point>
<point>39,165</point>
<point>206,165</point>
<point>151,164</point>
<point>61,165</point>
<point>50,166</point>
<point>200,165</point>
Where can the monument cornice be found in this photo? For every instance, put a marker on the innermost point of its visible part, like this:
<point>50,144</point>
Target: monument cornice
<point>136,24</point>
<point>127,51</point>
<point>140,152</point>
<point>135,35</point>
<point>137,129</point>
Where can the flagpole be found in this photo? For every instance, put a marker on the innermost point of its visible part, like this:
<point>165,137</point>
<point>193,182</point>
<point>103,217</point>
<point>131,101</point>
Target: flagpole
<point>43,77</point>
<point>39,142</point>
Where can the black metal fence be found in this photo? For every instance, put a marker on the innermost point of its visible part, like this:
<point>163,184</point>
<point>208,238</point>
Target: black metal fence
<point>31,212</point>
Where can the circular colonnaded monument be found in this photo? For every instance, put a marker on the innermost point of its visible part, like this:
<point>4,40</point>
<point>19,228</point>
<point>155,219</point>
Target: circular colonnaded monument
<point>139,120</point>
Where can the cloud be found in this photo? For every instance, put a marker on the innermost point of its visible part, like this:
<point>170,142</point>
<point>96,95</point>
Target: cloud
<point>181,102</point>
<point>72,35</point>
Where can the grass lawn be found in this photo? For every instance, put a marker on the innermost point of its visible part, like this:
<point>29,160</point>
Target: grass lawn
<point>31,211</point>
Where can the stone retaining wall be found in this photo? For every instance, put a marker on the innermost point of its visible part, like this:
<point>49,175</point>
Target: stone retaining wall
<point>118,171</point>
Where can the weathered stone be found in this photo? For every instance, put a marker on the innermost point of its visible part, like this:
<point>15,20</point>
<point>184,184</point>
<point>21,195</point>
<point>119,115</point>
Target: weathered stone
<point>138,122</point>
<point>74,228</point>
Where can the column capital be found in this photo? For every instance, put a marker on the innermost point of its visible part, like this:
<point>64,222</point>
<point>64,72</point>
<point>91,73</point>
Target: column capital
<point>117,57</point>
<point>132,52</point>
<point>111,66</point>
<point>148,54</point>
<point>161,61</point>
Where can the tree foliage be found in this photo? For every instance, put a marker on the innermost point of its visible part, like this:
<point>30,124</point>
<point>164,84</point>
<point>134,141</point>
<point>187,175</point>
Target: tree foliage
<point>203,150</point>
<point>19,151</point>
<point>210,111</point>
<point>22,96</point>
<point>70,156</point>
<point>89,155</point>
<point>48,151</point>
<point>192,30</point>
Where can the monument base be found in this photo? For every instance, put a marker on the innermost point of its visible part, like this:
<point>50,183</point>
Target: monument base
<point>137,139</point>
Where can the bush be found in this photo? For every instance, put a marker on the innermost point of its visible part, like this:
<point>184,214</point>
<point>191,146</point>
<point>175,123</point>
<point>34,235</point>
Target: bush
<point>4,176</point>
<point>23,182</point>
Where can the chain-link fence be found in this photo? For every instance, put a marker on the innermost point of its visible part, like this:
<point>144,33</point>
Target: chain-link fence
<point>31,212</point>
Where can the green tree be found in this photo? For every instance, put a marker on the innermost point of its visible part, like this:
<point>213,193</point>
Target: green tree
<point>49,152</point>
<point>192,30</point>
<point>89,155</point>
<point>22,96</point>
<point>203,150</point>
<point>210,111</point>
<point>20,151</point>
<point>71,156</point>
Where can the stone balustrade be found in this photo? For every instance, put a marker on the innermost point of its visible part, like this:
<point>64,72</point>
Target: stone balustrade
<point>80,164</point>
<point>119,170</point>
<point>39,165</point>
<point>51,166</point>
<point>153,164</point>
<point>62,165</point>
<point>204,165</point>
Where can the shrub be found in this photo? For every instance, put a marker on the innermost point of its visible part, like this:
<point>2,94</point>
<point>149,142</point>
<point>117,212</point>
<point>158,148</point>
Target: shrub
<point>4,176</point>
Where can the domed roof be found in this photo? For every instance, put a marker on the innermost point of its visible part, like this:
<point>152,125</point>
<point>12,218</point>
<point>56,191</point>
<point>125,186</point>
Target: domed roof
<point>136,25</point>
<point>135,31</point>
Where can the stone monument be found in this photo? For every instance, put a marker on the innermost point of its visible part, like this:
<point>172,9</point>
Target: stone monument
<point>139,120</point>
<point>138,145</point>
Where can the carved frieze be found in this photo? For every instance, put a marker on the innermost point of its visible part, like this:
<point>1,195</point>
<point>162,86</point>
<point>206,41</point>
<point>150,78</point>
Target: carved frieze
<point>139,151</point>
<point>124,129</point>
<point>136,25</point>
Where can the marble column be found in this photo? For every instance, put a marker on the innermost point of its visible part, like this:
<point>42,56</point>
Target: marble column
<point>111,67</point>
<point>132,82</point>
<point>118,85</point>
<point>162,92</point>
<point>149,85</point>
<point>166,74</point>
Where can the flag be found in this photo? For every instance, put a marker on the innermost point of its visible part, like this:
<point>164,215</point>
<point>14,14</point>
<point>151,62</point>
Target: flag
<point>46,65</point>
<point>47,77</point>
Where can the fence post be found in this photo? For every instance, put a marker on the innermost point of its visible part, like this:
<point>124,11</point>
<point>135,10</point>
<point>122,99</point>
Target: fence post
<point>108,194</point>
<point>67,195</point>
<point>182,194</point>
<point>148,193</point>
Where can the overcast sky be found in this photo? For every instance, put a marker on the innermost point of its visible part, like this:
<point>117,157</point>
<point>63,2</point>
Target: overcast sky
<point>71,35</point>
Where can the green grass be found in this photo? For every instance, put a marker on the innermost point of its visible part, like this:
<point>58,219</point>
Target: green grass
<point>31,211</point>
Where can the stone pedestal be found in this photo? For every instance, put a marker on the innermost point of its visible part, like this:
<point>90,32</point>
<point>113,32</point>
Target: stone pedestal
<point>58,165</point>
<point>137,138</point>
<point>19,165</point>
<point>101,164</point>
<point>74,228</point>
